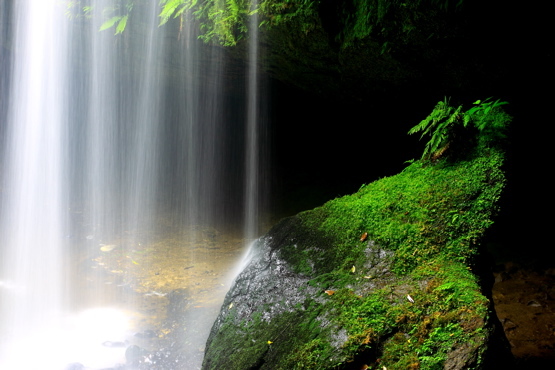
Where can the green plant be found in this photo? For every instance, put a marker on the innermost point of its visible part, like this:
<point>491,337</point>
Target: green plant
<point>226,21</point>
<point>439,125</point>
<point>445,121</point>
<point>122,10</point>
<point>489,119</point>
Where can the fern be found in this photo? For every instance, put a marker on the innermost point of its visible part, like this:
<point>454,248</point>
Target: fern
<point>174,8</point>
<point>485,116</point>
<point>438,125</point>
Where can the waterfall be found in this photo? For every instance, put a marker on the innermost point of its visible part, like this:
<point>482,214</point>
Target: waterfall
<point>126,161</point>
<point>34,183</point>
<point>253,131</point>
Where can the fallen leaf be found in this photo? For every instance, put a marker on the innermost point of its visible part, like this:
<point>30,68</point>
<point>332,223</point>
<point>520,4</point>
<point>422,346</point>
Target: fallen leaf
<point>329,292</point>
<point>353,269</point>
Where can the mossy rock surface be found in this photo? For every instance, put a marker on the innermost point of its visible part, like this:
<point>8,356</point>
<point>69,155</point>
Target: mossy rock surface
<point>379,278</point>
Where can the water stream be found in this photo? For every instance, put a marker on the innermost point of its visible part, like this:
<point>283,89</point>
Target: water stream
<point>131,184</point>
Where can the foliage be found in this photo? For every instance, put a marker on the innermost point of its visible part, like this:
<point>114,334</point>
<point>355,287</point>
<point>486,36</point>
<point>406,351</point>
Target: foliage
<point>227,21</point>
<point>78,9</point>
<point>489,119</point>
<point>445,121</point>
<point>361,18</point>
<point>224,21</point>
<point>119,14</point>
<point>439,125</point>
<point>116,15</point>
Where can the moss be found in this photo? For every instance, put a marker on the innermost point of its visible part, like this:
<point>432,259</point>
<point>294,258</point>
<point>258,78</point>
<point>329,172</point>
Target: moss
<point>310,355</point>
<point>426,210</point>
<point>449,312</point>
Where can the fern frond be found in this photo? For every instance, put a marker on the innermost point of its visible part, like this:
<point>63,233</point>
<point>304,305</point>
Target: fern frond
<point>170,9</point>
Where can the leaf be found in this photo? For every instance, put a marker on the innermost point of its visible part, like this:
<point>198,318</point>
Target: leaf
<point>329,292</point>
<point>353,269</point>
<point>121,25</point>
<point>446,286</point>
<point>363,236</point>
<point>110,23</point>
<point>169,9</point>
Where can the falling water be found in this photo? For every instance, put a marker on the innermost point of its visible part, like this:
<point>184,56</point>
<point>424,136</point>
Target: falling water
<point>120,153</point>
<point>254,151</point>
<point>35,186</point>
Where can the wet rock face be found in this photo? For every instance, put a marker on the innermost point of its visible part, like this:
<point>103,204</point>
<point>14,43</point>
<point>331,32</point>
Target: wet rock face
<point>268,281</point>
<point>268,288</point>
<point>272,302</point>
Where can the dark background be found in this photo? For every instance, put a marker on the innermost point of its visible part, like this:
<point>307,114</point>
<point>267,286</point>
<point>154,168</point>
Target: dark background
<point>327,146</point>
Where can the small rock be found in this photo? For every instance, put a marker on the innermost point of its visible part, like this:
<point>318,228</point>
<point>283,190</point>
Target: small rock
<point>508,325</point>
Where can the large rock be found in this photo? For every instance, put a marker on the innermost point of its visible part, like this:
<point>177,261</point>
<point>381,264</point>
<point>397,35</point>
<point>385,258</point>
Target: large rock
<point>379,277</point>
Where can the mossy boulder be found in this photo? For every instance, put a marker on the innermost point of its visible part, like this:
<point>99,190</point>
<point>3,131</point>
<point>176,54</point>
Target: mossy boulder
<point>384,276</point>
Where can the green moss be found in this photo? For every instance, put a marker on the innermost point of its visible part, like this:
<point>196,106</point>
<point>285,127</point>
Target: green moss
<point>449,312</point>
<point>425,211</point>
<point>310,355</point>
